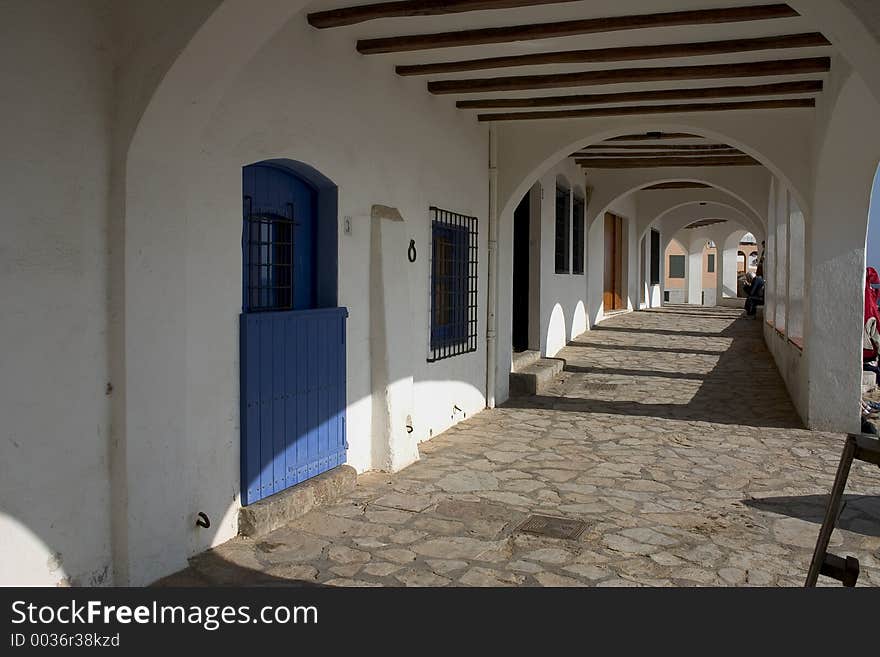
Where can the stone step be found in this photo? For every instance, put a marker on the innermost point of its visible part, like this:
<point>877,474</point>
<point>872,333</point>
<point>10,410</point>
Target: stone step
<point>260,518</point>
<point>532,379</point>
<point>523,359</point>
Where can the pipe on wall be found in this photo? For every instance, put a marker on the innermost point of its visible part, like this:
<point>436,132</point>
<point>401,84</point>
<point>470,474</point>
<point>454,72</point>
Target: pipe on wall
<point>491,332</point>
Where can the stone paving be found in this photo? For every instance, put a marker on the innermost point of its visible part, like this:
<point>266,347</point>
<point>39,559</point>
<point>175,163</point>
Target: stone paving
<point>669,433</point>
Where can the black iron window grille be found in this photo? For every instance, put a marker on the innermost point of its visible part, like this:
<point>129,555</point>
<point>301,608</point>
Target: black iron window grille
<point>267,247</point>
<point>577,266</point>
<point>453,284</point>
<point>563,230</point>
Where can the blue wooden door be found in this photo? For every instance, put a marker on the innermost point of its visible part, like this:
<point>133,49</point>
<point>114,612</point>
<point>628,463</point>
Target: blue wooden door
<point>292,354</point>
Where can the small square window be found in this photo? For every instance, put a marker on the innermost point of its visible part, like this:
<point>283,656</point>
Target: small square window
<point>676,266</point>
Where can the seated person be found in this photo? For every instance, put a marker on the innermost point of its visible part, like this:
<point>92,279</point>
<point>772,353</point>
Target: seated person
<point>755,291</point>
<point>871,328</point>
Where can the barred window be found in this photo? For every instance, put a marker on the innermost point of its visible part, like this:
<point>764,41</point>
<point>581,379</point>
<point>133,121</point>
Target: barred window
<point>577,266</point>
<point>563,224</point>
<point>268,253</point>
<point>453,284</point>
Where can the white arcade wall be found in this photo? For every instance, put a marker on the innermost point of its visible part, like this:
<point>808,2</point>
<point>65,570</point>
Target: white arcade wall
<point>175,451</point>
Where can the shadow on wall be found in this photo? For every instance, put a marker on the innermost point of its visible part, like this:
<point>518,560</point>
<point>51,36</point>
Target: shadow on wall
<point>737,386</point>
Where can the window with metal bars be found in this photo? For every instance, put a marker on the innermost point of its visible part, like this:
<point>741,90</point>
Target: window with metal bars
<point>268,251</point>
<point>453,284</point>
<point>563,224</point>
<point>577,266</point>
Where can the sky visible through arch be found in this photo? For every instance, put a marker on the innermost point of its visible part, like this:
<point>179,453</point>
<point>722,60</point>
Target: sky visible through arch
<point>873,249</point>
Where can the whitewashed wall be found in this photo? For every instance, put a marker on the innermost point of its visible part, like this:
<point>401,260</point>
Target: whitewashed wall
<point>392,147</point>
<point>54,401</point>
<point>180,293</point>
<point>563,314</point>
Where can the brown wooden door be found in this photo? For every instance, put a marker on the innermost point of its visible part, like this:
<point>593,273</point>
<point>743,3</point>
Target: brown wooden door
<point>613,288</point>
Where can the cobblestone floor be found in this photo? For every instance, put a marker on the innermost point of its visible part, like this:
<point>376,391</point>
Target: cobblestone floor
<point>669,433</point>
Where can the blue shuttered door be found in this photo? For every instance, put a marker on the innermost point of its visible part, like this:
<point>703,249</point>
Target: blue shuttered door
<point>292,354</point>
<point>292,397</point>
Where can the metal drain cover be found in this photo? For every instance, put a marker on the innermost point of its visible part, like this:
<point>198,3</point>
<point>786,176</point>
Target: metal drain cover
<point>553,527</point>
<point>601,387</point>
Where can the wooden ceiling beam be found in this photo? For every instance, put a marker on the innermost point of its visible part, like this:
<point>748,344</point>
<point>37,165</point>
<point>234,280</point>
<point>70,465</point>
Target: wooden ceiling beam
<point>683,184</point>
<point>633,75</point>
<point>482,36</point>
<point>411,8</point>
<point>629,154</point>
<point>663,162</point>
<point>625,54</point>
<point>656,147</point>
<point>654,136</point>
<point>703,93</point>
<point>649,109</point>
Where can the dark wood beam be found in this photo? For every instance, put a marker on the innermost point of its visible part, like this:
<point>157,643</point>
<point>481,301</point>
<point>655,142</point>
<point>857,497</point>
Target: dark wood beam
<point>626,54</point>
<point>411,8</point>
<point>482,36</point>
<point>703,223</point>
<point>621,76</point>
<point>703,93</point>
<point>655,136</point>
<point>650,109</point>
<point>630,154</point>
<point>657,147</point>
<point>677,185</point>
<point>663,162</point>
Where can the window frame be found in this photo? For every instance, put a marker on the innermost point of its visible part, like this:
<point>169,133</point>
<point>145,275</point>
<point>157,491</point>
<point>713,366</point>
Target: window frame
<point>578,241</point>
<point>453,285</point>
<point>268,240</point>
<point>671,272</point>
<point>656,257</point>
<point>562,242</point>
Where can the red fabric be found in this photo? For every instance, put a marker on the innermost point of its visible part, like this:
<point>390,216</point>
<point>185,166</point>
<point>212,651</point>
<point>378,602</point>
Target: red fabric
<point>871,298</point>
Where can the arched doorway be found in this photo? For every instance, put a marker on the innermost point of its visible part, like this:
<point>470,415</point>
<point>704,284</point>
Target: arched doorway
<point>292,341</point>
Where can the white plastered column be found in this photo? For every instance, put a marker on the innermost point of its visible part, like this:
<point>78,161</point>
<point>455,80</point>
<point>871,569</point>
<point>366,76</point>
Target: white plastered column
<point>695,273</point>
<point>780,273</point>
<point>846,164</point>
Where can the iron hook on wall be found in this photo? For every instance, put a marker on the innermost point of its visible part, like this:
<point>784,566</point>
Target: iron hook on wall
<point>411,253</point>
<point>203,520</point>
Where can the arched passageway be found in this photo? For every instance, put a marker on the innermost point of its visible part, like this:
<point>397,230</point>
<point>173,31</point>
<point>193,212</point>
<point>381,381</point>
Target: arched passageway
<point>124,278</point>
